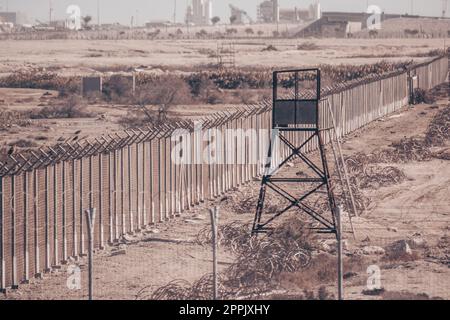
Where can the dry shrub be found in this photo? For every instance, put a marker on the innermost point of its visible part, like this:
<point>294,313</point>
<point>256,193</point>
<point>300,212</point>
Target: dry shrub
<point>163,91</point>
<point>400,256</point>
<point>41,79</point>
<point>373,292</point>
<point>321,294</point>
<point>38,138</point>
<point>134,119</point>
<point>23,143</point>
<point>441,252</point>
<point>270,48</point>
<point>70,108</point>
<point>308,46</point>
<point>438,131</point>
<point>118,89</point>
<point>322,269</point>
<point>404,295</point>
<point>9,119</point>
<point>423,96</point>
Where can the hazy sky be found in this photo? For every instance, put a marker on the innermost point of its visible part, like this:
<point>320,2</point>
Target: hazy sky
<point>146,10</point>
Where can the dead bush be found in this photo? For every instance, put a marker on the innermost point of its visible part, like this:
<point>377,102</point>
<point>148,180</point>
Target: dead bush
<point>70,108</point>
<point>41,79</point>
<point>270,48</point>
<point>322,269</point>
<point>441,252</point>
<point>438,131</point>
<point>404,295</point>
<point>9,119</point>
<point>423,96</point>
<point>165,91</point>
<point>373,292</point>
<point>134,119</point>
<point>38,138</point>
<point>23,143</point>
<point>118,89</point>
<point>308,46</point>
<point>321,294</point>
<point>397,252</point>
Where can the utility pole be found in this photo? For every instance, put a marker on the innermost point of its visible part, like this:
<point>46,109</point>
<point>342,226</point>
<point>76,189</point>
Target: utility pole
<point>174,11</point>
<point>50,12</point>
<point>98,13</point>
<point>412,7</point>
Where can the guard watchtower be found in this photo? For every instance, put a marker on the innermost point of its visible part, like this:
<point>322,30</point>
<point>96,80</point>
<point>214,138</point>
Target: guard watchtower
<point>296,124</point>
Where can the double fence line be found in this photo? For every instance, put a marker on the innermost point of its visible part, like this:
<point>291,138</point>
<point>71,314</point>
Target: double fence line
<point>133,182</point>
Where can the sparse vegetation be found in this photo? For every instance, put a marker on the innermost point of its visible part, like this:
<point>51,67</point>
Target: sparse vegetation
<point>405,295</point>
<point>23,143</point>
<point>307,46</point>
<point>10,119</point>
<point>423,96</point>
<point>270,48</point>
<point>70,108</point>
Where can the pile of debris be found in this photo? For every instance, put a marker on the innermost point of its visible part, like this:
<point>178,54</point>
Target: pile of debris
<point>438,131</point>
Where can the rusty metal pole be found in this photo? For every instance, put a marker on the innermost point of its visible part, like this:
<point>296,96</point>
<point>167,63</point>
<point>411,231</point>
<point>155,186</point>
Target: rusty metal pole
<point>214,212</point>
<point>90,214</point>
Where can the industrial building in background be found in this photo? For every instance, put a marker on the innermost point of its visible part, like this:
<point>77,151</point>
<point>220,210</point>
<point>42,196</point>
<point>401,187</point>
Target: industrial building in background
<point>269,11</point>
<point>8,17</point>
<point>239,16</point>
<point>199,12</point>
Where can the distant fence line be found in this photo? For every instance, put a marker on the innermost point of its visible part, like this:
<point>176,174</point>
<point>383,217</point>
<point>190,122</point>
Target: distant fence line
<point>132,182</point>
<point>196,35</point>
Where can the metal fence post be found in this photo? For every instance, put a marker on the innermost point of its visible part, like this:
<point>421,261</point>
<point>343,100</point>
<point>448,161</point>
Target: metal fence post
<point>90,215</point>
<point>13,234</point>
<point>37,266</point>
<point>2,239</point>
<point>74,210</point>
<point>64,209</point>
<point>81,209</point>
<point>339,249</point>
<point>214,213</point>
<point>130,191</point>
<point>122,194</point>
<point>47,222</point>
<point>100,201</point>
<point>55,216</point>
<point>25,227</point>
<point>112,193</point>
<point>138,192</point>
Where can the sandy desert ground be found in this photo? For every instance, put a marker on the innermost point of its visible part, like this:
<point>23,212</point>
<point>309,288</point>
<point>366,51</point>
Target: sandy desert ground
<point>86,57</point>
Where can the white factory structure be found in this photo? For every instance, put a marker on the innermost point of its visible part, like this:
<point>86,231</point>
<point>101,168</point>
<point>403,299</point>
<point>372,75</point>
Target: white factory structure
<point>199,12</point>
<point>269,11</point>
